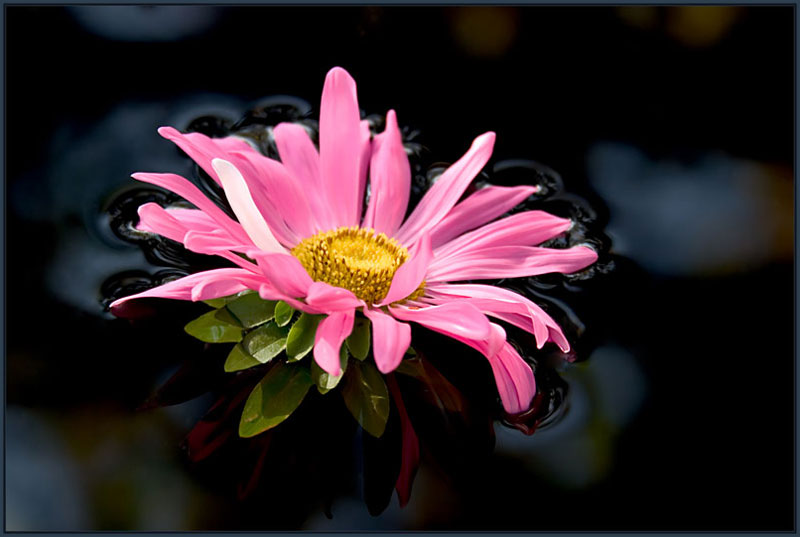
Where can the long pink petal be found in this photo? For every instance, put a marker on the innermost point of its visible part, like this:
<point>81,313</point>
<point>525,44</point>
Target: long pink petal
<point>523,229</point>
<point>331,332</point>
<point>245,208</point>
<point>455,320</point>
<point>340,146</point>
<point>483,206</point>
<point>411,273</point>
<point>285,273</point>
<point>279,192</point>
<point>192,194</point>
<point>365,142</point>
<point>327,298</point>
<point>203,149</point>
<point>155,219</point>
<point>390,339</point>
<point>410,452</point>
<point>390,180</point>
<point>301,160</point>
<point>506,305</point>
<point>193,219</point>
<point>514,378</point>
<point>182,289</point>
<point>510,262</point>
<point>446,191</point>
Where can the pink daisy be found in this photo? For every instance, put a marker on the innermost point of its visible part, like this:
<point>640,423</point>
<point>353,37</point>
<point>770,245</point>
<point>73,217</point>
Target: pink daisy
<point>301,238</point>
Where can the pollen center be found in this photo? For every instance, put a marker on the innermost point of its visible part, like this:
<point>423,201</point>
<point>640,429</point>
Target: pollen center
<point>353,258</point>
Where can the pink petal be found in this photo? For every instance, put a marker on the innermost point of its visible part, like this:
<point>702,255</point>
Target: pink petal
<point>483,206</point>
<point>509,262</point>
<point>155,219</point>
<point>327,298</point>
<point>244,208</point>
<point>203,149</point>
<point>514,378</point>
<point>365,142</point>
<point>505,305</point>
<point>390,339</point>
<point>301,160</point>
<point>411,273</point>
<point>331,332</point>
<point>193,219</point>
<point>285,273</point>
<point>340,146</point>
<point>183,288</point>
<point>446,191</point>
<point>523,229</point>
<point>461,321</point>
<point>390,180</point>
<point>192,194</point>
<point>278,192</point>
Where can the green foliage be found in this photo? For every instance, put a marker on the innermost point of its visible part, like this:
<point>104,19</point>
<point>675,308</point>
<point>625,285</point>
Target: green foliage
<point>274,399</point>
<point>239,359</point>
<point>212,330</point>
<point>283,313</point>
<point>301,336</point>
<point>324,381</point>
<point>366,397</point>
<point>250,310</point>
<point>358,340</point>
<point>219,302</point>
<point>265,342</point>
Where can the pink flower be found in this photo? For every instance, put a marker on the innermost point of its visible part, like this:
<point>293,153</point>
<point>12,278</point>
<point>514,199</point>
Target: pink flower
<point>300,226</point>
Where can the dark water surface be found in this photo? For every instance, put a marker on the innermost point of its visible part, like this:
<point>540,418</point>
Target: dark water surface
<point>673,124</point>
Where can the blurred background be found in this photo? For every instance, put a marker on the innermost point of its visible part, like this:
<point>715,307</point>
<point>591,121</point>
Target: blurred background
<point>676,121</point>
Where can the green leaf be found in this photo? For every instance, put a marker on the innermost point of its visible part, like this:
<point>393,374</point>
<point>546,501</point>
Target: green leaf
<point>273,399</point>
<point>265,342</point>
<point>283,313</point>
<point>251,310</point>
<point>301,336</point>
<point>358,340</point>
<point>324,381</point>
<point>211,330</point>
<point>239,359</point>
<point>410,351</point>
<point>366,397</point>
<point>222,314</point>
<point>219,302</point>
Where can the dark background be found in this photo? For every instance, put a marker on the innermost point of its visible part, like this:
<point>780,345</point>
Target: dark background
<point>677,121</point>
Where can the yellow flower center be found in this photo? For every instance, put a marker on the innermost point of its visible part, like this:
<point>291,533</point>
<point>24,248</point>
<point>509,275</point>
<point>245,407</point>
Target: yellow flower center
<point>355,259</point>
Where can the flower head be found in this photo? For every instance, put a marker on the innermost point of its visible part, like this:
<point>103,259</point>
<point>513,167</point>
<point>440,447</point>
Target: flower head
<point>300,237</point>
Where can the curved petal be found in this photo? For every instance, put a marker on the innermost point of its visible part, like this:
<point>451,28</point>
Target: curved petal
<point>411,273</point>
<point>390,339</point>
<point>460,321</point>
<point>483,206</point>
<point>506,305</point>
<point>301,160</point>
<point>155,219</point>
<point>203,149</point>
<point>244,208</point>
<point>446,191</point>
<point>189,192</point>
<point>390,180</point>
<point>410,451</point>
<point>327,298</point>
<point>510,262</point>
<point>339,146</point>
<point>365,143</point>
<point>193,219</point>
<point>523,229</point>
<point>514,378</point>
<point>183,288</point>
<point>331,332</point>
<point>285,273</point>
